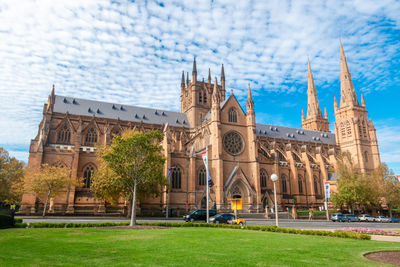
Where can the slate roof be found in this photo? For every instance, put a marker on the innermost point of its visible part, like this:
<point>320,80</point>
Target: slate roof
<point>287,133</point>
<point>84,107</point>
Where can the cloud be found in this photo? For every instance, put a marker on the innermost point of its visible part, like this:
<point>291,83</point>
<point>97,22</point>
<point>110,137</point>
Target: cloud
<point>133,53</point>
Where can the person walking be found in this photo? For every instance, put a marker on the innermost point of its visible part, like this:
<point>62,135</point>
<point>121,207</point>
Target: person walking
<point>311,214</point>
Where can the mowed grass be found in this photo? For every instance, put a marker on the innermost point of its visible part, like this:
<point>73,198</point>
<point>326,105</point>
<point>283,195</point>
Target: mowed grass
<point>180,247</point>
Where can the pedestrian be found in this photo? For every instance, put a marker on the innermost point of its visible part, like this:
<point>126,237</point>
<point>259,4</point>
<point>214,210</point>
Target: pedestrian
<point>311,214</point>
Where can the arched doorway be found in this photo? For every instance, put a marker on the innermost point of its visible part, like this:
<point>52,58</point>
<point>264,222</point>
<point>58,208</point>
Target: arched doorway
<point>203,203</point>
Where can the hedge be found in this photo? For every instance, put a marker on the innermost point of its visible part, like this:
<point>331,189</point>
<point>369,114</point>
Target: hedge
<point>5,221</point>
<point>264,228</point>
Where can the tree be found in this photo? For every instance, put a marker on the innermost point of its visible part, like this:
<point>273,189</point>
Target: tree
<point>131,167</point>
<point>389,186</point>
<point>11,178</point>
<point>354,188</point>
<point>48,180</point>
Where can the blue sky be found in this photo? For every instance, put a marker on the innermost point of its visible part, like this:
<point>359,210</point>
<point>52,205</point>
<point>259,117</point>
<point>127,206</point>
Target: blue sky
<point>134,52</point>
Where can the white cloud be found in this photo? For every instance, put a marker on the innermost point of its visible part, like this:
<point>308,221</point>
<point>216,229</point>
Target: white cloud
<point>122,51</point>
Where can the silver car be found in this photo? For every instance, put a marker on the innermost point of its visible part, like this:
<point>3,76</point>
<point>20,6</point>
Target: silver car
<point>382,219</point>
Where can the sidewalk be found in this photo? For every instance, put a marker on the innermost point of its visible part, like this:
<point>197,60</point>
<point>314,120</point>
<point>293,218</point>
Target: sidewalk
<point>386,238</point>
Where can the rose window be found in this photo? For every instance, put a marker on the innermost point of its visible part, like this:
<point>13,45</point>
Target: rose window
<point>233,143</point>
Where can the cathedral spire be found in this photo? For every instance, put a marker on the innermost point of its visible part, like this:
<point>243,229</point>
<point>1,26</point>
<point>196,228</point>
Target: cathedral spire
<point>209,75</point>
<point>187,78</point>
<point>362,100</point>
<point>302,115</point>
<point>249,102</point>
<point>194,71</point>
<point>313,108</point>
<point>222,73</point>
<point>347,93</point>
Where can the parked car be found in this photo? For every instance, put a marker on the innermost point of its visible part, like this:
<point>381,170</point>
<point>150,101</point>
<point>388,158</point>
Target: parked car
<point>351,218</point>
<point>382,219</point>
<point>222,218</point>
<point>394,220</point>
<point>227,218</point>
<point>366,218</point>
<point>337,217</point>
<point>199,215</point>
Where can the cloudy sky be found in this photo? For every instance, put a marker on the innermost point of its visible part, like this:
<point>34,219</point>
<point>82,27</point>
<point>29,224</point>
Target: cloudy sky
<point>133,52</point>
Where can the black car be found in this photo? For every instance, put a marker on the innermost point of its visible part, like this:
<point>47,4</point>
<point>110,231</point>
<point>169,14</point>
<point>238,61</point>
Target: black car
<point>199,215</point>
<point>222,218</point>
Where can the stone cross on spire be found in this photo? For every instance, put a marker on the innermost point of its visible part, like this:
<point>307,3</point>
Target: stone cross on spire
<point>313,108</point>
<point>347,94</point>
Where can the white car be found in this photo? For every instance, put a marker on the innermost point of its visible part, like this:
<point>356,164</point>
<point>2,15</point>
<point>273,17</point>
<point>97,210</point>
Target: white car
<point>382,219</point>
<point>366,218</point>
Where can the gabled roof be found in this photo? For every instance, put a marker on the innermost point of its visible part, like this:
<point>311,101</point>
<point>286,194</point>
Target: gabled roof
<point>287,133</point>
<point>84,107</point>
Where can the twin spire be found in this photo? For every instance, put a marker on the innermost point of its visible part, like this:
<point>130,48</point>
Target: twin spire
<point>347,93</point>
<point>313,108</point>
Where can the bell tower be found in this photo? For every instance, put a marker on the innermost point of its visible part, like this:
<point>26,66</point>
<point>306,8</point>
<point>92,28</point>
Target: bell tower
<point>355,133</point>
<point>196,96</point>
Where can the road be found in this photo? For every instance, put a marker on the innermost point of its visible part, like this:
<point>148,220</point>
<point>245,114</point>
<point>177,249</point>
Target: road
<point>298,224</point>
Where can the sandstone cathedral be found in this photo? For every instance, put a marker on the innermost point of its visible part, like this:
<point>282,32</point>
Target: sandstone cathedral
<point>242,153</point>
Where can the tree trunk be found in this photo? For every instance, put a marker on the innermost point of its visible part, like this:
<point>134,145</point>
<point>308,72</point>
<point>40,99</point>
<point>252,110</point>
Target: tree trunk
<point>45,204</point>
<point>390,210</point>
<point>133,216</point>
<point>130,207</point>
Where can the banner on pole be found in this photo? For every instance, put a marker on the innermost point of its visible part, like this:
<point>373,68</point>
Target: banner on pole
<point>327,191</point>
<point>205,160</point>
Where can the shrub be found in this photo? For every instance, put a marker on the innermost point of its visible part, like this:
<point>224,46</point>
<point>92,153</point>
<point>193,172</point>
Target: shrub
<point>20,225</point>
<point>5,221</point>
<point>17,220</point>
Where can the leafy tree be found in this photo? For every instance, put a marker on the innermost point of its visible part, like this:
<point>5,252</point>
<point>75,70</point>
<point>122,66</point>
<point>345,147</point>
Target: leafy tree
<point>389,186</point>
<point>47,180</point>
<point>131,167</point>
<point>11,178</point>
<point>354,188</point>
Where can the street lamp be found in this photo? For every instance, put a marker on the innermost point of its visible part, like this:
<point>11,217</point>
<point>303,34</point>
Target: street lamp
<point>274,178</point>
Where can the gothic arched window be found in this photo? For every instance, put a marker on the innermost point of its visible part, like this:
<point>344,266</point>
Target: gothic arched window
<point>365,156</point>
<point>284,183</point>
<point>87,176</point>
<point>316,185</point>
<point>91,137</point>
<point>348,128</point>
<point>343,130</point>
<point>200,97</point>
<point>232,115</point>
<point>64,135</point>
<point>205,98</point>
<point>359,128</point>
<point>176,178</point>
<point>300,181</point>
<point>263,178</point>
<point>202,176</point>
<point>364,128</point>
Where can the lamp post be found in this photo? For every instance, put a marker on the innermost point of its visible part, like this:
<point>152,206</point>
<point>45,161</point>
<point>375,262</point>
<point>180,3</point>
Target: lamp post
<point>274,178</point>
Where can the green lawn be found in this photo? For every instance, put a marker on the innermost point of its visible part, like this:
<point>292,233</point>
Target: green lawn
<point>180,247</point>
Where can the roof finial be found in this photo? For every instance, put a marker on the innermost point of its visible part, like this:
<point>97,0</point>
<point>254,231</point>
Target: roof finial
<point>325,113</point>
<point>215,95</point>
<point>302,115</point>
<point>183,80</point>
<point>187,78</point>
<point>222,73</point>
<point>335,104</point>
<point>362,100</point>
<point>249,102</point>
<point>194,71</point>
<point>209,75</point>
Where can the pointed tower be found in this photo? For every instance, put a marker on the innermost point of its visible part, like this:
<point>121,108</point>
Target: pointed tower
<point>250,115</point>
<point>354,133</point>
<point>223,83</point>
<point>194,71</point>
<point>215,103</point>
<point>314,120</point>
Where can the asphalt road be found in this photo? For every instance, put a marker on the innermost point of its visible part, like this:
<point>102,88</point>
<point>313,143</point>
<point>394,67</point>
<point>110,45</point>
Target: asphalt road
<point>298,224</point>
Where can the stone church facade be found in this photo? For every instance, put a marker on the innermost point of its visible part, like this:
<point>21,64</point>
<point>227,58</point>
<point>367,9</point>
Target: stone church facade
<point>242,153</point>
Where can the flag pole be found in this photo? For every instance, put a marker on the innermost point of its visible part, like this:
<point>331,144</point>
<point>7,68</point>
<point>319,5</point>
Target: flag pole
<point>166,207</point>
<point>208,188</point>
